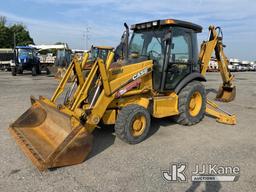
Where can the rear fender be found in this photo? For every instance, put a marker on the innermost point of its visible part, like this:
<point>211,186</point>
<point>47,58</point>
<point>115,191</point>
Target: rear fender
<point>191,77</point>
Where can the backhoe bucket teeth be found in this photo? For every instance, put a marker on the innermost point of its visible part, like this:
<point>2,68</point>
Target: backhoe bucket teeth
<point>51,138</point>
<point>226,94</point>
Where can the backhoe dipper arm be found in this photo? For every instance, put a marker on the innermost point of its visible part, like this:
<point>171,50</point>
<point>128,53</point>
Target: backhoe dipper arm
<point>227,90</point>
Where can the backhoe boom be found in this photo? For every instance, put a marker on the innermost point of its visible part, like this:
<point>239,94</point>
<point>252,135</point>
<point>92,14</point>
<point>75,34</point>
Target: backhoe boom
<point>227,90</point>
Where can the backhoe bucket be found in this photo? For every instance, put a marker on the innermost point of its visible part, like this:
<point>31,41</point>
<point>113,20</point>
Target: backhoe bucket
<point>51,138</point>
<point>226,94</point>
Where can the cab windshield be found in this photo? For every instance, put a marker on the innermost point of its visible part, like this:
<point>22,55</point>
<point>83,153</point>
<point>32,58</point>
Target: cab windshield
<point>94,53</point>
<point>148,43</point>
<point>101,53</point>
<point>25,53</point>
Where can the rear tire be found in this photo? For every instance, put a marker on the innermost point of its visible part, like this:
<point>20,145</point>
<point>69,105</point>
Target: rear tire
<point>20,71</point>
<point>38,69</point>
<point>48,72</point>
<point>192,104</point>
<point>14,71</point>
<point>132,124</point>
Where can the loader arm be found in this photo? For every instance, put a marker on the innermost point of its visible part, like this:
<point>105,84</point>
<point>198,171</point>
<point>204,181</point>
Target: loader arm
<point>77,68</point>
<point>227,90</point>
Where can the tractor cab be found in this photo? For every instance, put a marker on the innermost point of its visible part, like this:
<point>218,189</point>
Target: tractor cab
<point>171,44</point>
<point>100,52</point>
<point>63,58</point>
<point>26,58</point>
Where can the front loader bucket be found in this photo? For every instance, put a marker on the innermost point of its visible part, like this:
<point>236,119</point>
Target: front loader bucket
<point>51,138</point>
<point>226,94</point>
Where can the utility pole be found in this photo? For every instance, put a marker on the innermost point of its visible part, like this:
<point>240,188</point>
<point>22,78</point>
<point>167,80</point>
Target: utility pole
<point>85,42</point>
<point>14,47</point>
<point>87,37</point>
<point>14,40</point>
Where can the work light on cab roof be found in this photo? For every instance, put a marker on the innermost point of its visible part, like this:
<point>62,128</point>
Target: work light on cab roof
<point>166,22</point>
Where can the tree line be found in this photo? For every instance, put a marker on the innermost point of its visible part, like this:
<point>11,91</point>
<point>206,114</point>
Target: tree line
<point>17,31</point>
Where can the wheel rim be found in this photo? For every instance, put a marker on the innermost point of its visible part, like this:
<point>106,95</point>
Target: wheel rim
<point>195,104</point>
<point>138,126</point>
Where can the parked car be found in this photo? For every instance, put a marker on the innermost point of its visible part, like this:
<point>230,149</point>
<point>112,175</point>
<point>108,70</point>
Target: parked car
<point>252,67</point>
<point>232,68</point>
<point>6,55</point>
<point>237,67</point>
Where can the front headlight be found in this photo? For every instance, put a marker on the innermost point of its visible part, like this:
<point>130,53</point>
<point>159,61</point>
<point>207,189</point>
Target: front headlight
<point>19,60</point>
<point>12,63</point>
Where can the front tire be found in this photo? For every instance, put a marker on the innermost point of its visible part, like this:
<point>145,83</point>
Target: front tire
<point>132,124</point>
<point>34,71</point>
<point>192,104</point>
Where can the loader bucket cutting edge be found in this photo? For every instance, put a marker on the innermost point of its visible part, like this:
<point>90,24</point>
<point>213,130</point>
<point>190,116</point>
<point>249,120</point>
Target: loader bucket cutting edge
<point>226,94</point>
<point>50,138</point>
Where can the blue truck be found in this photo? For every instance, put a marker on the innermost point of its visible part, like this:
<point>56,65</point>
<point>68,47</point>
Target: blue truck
<point>25,58</point>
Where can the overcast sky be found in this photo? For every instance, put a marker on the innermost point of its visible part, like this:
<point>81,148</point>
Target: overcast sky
<point>50,21</point>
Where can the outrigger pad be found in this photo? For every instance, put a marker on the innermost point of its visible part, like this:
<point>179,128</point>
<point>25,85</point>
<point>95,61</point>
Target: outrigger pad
<point>226,94</point>
<point>51,138</point>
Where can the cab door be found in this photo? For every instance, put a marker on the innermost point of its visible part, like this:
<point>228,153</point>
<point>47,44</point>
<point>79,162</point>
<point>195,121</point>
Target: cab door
<point>179,59</point>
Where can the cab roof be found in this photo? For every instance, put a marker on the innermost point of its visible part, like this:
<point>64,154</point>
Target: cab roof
<point>104,47</point>
<point>171,22</point>
<point>24,47</point>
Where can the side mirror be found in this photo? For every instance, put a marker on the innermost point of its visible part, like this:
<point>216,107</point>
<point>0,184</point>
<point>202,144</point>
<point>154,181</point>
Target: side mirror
<point>126,26</point>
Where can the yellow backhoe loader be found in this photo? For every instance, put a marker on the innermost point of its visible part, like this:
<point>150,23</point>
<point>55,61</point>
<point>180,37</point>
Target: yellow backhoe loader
<point>160,76</point>
<point>95,52</point>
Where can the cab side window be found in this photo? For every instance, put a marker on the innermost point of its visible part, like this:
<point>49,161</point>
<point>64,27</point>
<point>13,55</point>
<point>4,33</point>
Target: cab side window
<point>180,48</point>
